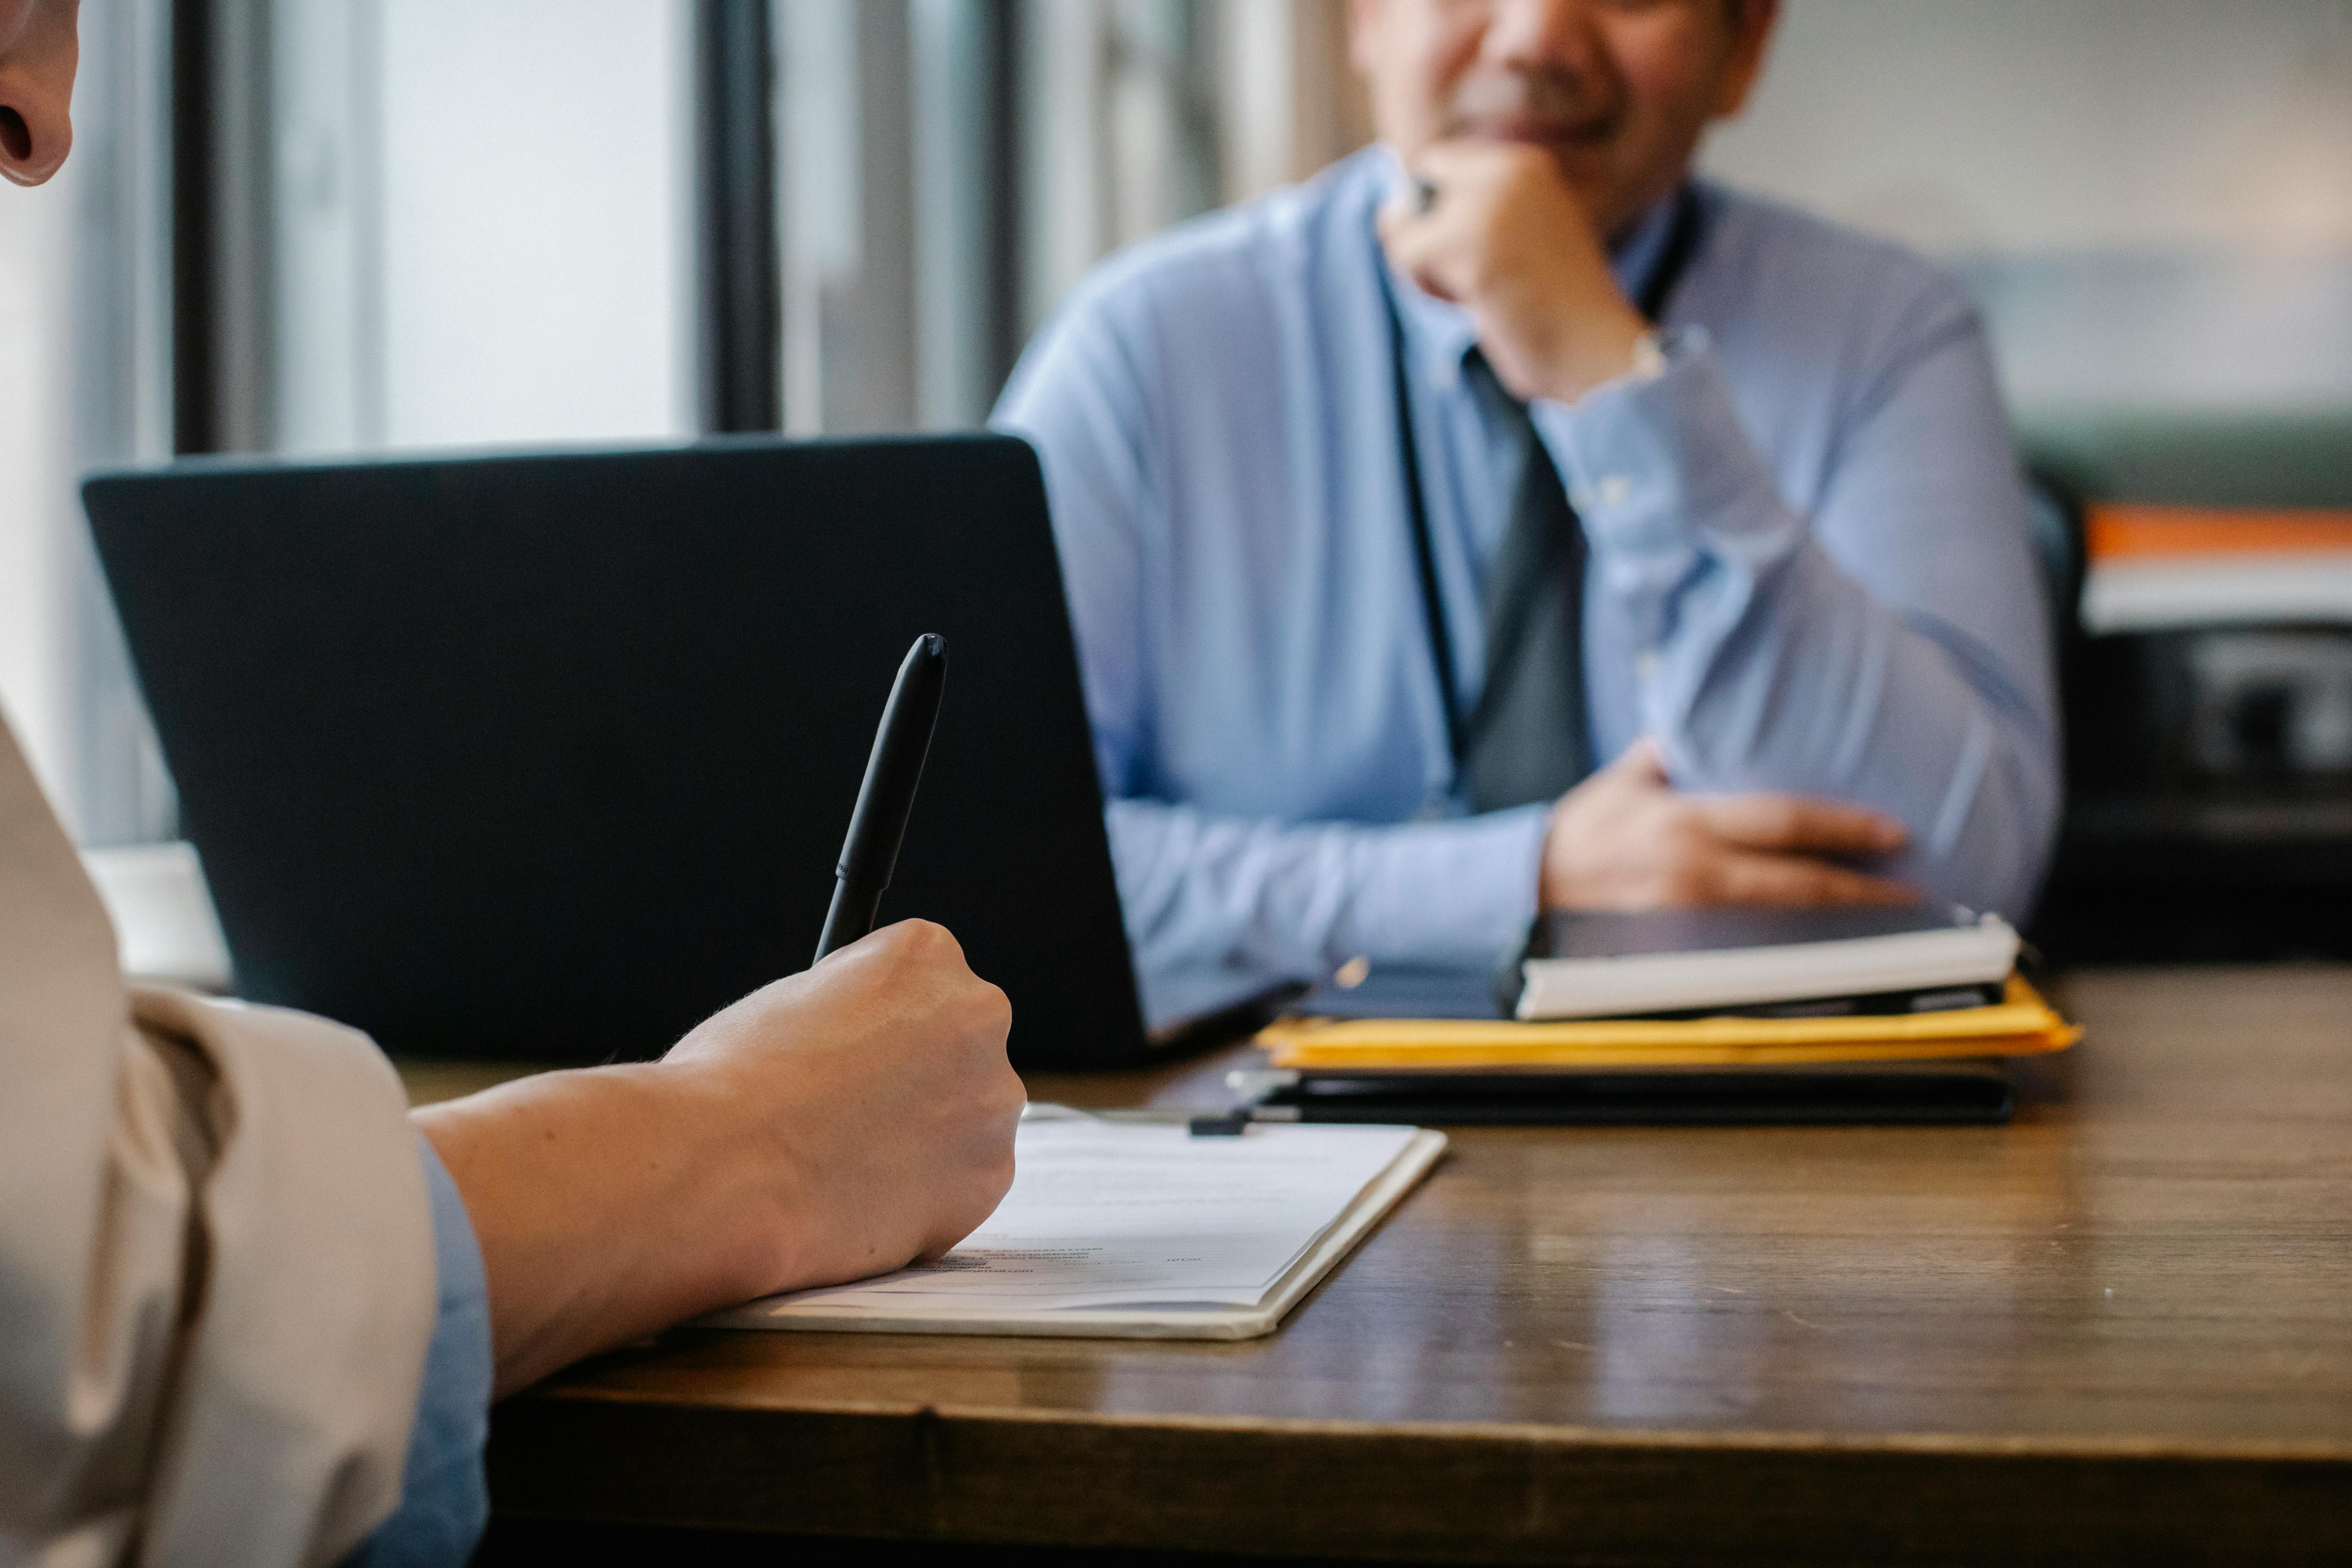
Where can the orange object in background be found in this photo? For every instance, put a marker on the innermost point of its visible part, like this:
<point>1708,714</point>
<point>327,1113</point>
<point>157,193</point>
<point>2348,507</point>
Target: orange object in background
<point>2171,568</point>
<point>2128,532</point>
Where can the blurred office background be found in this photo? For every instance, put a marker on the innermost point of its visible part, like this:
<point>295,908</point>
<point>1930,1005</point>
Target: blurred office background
<point>314,227</point>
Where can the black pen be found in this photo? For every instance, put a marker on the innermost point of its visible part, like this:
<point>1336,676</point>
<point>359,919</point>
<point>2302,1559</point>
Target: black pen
<point>885,799</point>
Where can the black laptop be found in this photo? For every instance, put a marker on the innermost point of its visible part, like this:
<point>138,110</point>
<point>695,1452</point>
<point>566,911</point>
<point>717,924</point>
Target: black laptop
<point>549,756</point>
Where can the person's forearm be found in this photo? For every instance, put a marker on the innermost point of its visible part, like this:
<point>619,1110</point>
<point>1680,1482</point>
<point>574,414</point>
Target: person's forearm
<point>1824,691</point>
<point>1768,667</point>
<point>835,1123</point>
<point>1296,901</point>
<point>607,1203</point>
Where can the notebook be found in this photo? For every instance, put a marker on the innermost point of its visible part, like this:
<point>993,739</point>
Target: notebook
<point>1794,963</point>
<point>1121,1228</point>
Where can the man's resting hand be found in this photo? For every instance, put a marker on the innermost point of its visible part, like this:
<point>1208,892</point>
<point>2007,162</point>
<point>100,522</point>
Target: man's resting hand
<point>1625,839</point>
<point>836,1123</point>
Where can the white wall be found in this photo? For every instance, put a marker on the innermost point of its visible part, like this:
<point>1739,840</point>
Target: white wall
<point>2057,124</point>
<point>2154,197</point>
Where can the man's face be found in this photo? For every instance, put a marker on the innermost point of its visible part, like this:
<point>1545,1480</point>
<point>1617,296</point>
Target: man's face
<point>39,51</point>
<point>1617,90</point>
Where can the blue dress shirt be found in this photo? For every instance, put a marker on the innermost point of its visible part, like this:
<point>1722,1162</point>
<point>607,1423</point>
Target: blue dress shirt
<point>445,1499</point>
<point>1809,570</point>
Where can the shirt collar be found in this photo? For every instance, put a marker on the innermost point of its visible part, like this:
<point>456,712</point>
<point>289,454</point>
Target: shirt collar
<point>1441,334</point>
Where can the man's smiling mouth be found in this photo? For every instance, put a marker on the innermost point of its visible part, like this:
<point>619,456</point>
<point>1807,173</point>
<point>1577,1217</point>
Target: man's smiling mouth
<point>1543,130</point>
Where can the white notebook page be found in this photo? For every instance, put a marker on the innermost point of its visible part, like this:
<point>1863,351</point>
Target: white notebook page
<point>1107,1214</point>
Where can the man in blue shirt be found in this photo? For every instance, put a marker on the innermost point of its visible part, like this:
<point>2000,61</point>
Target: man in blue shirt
<point>1422,580</point>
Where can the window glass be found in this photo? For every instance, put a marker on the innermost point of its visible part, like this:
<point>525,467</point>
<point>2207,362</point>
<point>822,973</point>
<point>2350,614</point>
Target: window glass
<point>483,214</point>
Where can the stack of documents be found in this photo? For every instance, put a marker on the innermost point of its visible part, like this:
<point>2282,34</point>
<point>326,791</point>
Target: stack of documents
<point>2021,1024</point>
<point>1138,1229</point>
<point>1732,987</point>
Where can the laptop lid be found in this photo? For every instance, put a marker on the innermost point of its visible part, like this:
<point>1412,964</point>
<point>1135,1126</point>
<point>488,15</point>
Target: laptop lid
<point>549,756</point>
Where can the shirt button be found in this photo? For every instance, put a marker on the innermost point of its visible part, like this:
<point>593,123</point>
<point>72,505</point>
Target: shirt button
<point>1614,488</point>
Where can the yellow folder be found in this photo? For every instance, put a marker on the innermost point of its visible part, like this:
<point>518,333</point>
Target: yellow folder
<point>2020,1024</point>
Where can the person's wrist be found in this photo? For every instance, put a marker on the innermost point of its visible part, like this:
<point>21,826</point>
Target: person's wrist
<point>1594,351</point>
<point>747,1187</point>
<point>1550,877</point>
<point>700,1182</point>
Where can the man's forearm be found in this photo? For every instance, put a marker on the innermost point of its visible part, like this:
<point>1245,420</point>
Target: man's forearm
<point>1825,691</point>
<point>1766,667</point>
<point>1297,899</point>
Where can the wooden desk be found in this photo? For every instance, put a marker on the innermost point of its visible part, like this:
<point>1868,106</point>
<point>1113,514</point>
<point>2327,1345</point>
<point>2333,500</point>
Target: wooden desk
<point>2119,1330</point>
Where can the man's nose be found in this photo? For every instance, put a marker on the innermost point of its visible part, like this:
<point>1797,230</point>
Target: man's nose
<point>1561,36</point>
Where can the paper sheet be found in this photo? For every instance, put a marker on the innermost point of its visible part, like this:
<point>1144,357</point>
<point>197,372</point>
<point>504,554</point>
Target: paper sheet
<point>1117,1213</point>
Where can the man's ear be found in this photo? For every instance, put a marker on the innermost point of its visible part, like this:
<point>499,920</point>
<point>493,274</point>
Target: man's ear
<point>1753,22</point>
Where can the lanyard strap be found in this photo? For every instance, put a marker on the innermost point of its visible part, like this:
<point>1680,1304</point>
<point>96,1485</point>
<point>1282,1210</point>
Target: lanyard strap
<point>1657,292</point>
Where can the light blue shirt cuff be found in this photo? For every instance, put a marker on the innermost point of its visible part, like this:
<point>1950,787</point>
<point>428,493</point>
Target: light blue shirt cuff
<point>1648,457</point>
<point>445,1498</point>
<point>1459,891</point>
<point>1664,476</point>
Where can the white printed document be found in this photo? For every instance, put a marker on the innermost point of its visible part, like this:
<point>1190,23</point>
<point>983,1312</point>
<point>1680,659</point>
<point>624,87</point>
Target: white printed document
<point>1138,1228</point>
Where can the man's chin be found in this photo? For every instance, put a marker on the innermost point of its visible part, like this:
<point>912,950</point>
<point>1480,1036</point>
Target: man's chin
<point>1587,169</point>
<point>1584,161</point>
<point>1587,162</point>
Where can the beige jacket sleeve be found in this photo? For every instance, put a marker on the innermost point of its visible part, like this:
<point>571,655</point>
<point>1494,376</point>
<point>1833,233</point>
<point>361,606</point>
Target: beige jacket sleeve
<point>217,1277</point>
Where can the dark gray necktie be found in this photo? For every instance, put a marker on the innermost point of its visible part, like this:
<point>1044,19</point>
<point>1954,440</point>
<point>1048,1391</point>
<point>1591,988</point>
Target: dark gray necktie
<point>1525,740</point>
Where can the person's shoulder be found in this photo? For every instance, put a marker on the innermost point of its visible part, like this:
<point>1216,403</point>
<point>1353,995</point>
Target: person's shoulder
<point>1177,325</point>
<point>1800,267</point>
<point>1226,270</point>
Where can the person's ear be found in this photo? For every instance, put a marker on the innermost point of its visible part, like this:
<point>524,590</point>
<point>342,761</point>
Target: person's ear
<point>1752,24</point>
<point>36,74</point>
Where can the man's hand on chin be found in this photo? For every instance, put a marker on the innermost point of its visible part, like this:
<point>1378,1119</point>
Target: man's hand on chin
<point>1500,232</point>
<point>1625,839</point>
